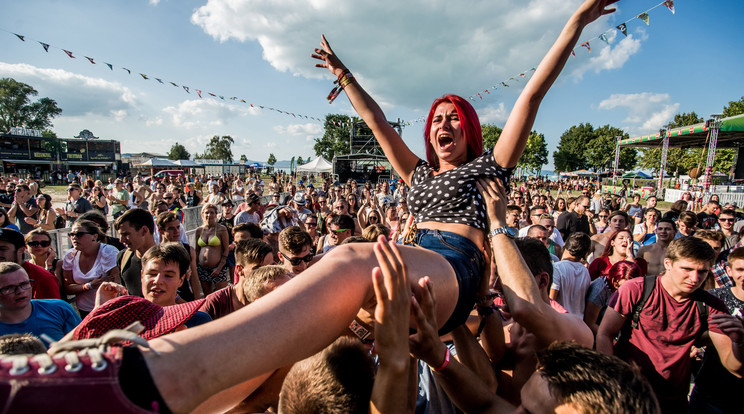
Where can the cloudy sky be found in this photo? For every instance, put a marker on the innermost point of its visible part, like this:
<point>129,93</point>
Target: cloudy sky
<point>405,53</point>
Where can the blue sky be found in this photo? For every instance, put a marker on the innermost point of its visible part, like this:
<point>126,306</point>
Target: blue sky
<point>404,53</point>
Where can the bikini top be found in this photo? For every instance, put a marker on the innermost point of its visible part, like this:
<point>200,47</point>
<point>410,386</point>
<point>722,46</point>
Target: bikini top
<point>214,242</point>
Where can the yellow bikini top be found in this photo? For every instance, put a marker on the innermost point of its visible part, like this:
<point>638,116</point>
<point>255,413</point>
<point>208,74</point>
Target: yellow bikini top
<point>214,241</point>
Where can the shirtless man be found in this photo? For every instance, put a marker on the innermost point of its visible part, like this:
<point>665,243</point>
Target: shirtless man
<point>618,221</point>
<point>141,191</point>
<point>655,253</point>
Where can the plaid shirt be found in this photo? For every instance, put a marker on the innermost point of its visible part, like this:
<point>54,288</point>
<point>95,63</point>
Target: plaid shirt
<point>722,277</point>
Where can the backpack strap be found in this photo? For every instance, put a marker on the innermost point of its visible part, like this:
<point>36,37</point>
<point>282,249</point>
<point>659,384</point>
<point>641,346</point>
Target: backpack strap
<point>702,308</point>
<point>649,282</point>
<point>125,257</point>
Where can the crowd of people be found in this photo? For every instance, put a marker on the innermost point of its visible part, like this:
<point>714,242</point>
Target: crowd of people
<point>447,290</point>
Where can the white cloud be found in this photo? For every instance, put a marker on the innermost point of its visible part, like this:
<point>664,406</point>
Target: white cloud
<point>77,95</point>
<point>299,129</point>
<point>271,145</point>
<point>490,115</point>
<point>200,112</point>
<point>434,46</point>
<point>608,57</point>
<point>646,111</point>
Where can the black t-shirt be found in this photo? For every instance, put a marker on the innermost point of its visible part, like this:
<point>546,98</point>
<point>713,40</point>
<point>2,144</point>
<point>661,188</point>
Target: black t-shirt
<point>20,216</point>
<point>572,223</point>
<point>131,272</point>
<point>79,206</point>
<point>706,221</point>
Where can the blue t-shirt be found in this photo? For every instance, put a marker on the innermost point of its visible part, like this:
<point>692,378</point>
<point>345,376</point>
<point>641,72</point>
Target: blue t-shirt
<point>53,317</point>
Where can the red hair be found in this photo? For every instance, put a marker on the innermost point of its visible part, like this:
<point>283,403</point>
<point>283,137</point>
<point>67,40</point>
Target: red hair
<point>471,129</point>
<point>622,270</point>
<point>609,250</point>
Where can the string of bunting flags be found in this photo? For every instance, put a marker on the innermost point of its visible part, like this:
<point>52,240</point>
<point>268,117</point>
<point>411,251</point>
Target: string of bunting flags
<point>622,27</point>
<point>187,89</point>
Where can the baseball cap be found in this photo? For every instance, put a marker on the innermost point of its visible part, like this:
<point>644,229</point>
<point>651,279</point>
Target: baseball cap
<point>253,198</point>
<point>13,237</point>
<point>120,312</point>
<point>299,199</point>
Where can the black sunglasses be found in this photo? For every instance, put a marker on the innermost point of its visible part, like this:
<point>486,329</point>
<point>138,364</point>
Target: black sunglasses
<point>79,234</point>
<point>45,243</point>
<point>295,261</point>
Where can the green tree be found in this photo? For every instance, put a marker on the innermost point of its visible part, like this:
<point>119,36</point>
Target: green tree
<point>178,152</point>
<point>535,153</point>
<point>600,150</point>
<point>218,148</point>
<point>17,110</point>
<point>570,153</point>
<point>272,159</point>
<point>679,160</point>
<point>300,161</point>
<point>243,158</point>
<point>491,134</point>
<point>335,139</point>
<point>734,108</point>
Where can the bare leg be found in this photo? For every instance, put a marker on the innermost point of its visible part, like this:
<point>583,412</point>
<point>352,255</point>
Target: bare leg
<point>285,326</point>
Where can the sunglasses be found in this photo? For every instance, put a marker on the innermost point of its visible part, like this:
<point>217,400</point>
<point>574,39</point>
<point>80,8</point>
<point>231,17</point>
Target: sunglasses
<point>79,234</point>
<point>340,231</point>
<point>726,219</point>
<point>295,261</point>
<point>9,290</point>
<point>45,243</point>
<point>311,224</point>
<point>167,198</point>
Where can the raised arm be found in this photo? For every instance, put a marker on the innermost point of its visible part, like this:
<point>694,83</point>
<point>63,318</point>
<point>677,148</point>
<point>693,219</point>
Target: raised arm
<point>513,139</point>
<point>400,156</point>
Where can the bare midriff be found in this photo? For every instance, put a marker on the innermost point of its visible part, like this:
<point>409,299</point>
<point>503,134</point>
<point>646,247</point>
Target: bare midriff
<point>475,235</point>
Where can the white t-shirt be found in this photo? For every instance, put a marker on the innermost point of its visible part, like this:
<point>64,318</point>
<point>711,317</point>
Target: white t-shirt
<point>105,261</point>
<point>571,280</point>
<point>246,217</point>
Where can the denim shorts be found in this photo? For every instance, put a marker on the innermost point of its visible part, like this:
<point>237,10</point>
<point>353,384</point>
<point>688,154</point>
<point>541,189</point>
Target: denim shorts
<point>467,261</point>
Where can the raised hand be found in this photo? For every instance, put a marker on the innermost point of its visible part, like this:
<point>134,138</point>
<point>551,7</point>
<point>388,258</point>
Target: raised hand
<point>494,196</point>
<point>591,10</point>
<point>331,61</point>
<point>425,343</point>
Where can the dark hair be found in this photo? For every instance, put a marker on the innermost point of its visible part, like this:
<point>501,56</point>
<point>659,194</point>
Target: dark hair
<point>355,239</point>
<point>97,218</point>
<point>343,221</point>
<point>293,239</point>
<point>592,382</point>
<point>136,217</point>
<point>471,129</point>
<point>21,344</point>
<point>536,256</point>
<point>336,380</point>
<point>166,217</point>
<point>251,251</point>
<point>48,198</point>
<point>728,212</point>
<point>252,228</point>
<point>688,217</point>
<point>169,253</point>
<point>535,227</point>
<point>666,220</point>
<point>91,227</point>
<point>578,244</point>
<point>692,248</point>
<point>678,206</point>
<point>736,254</point>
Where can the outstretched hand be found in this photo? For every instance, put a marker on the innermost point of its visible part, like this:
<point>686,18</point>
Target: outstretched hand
<point>594,9</point>
<point>393,310</point>
<point>331,61</point>
<point>425,343</point>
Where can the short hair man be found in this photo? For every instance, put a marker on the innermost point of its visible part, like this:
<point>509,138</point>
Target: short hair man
<point>119,198</point>
<point>655,253</point>
<point>341,227</point>
<point>250,255</point>
<point>21,314</point>
<point>295,249</point>
<point>76,205</point>
<point>576,220</point>
<point>719,276</point>
<point>716,387</point>
<point>570,277</point>
<point>513,213</point>
<point>244,231</point>
<point>24,205</point>
<point>539,232</point>
<point>169,227</point>
<point>135,228</point>
<point>670,322</point>
<point>164,268</point>
<point>250,214</point>
<point>13,249</point>
<point>707,218</point>
<point>726,221</point>
<point>536,213</point>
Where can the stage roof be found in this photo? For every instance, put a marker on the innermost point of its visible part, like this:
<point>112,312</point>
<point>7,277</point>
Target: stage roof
<point>730,135</point>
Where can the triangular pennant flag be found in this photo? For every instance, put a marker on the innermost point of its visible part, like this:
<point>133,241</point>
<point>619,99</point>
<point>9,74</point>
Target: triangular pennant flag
<point>20,37</point>
<point>479,95</point>
<point>68,53</point>
<point>243,100</point>
<point>586,45</point>
<point>603,38</point>
<point>533,69</point>
<point>521,74</point>
<point>159,80</point>
<point>487,91</point>
<point>186,88</point>
<point>504,84</point>
<point>222,97</point>
<point>294,115</point>
<point>212,94</point>
<point>234,98</point>
<point>90,59</point>
<point>128,71</point>
<point>251,105</point>
<point>144,76</point>
<point>109,65</point>
<point>644,16</point>
<point>198,92</point>
<point>174,84</point>
<point>573,53</point>
<point>623,28</point>
<point>670,5</point>
<point>45,46</point>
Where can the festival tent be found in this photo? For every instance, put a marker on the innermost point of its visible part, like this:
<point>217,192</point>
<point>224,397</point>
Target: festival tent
<point>318,165</point>
<point>637,174</point>
<point>578,173</point>
<point>730,134</point>
<point>188,163</point>
<point>157,163</point>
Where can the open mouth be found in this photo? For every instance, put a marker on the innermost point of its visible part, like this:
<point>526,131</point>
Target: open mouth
<point>445,142</point>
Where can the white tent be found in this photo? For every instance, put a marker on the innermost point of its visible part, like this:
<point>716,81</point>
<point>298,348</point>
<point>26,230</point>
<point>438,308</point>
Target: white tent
<point>318,165</point>
<point>157,162</point>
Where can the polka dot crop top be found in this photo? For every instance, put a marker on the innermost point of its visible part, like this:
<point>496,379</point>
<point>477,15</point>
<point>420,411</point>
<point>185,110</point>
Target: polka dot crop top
<point>452,197</point>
